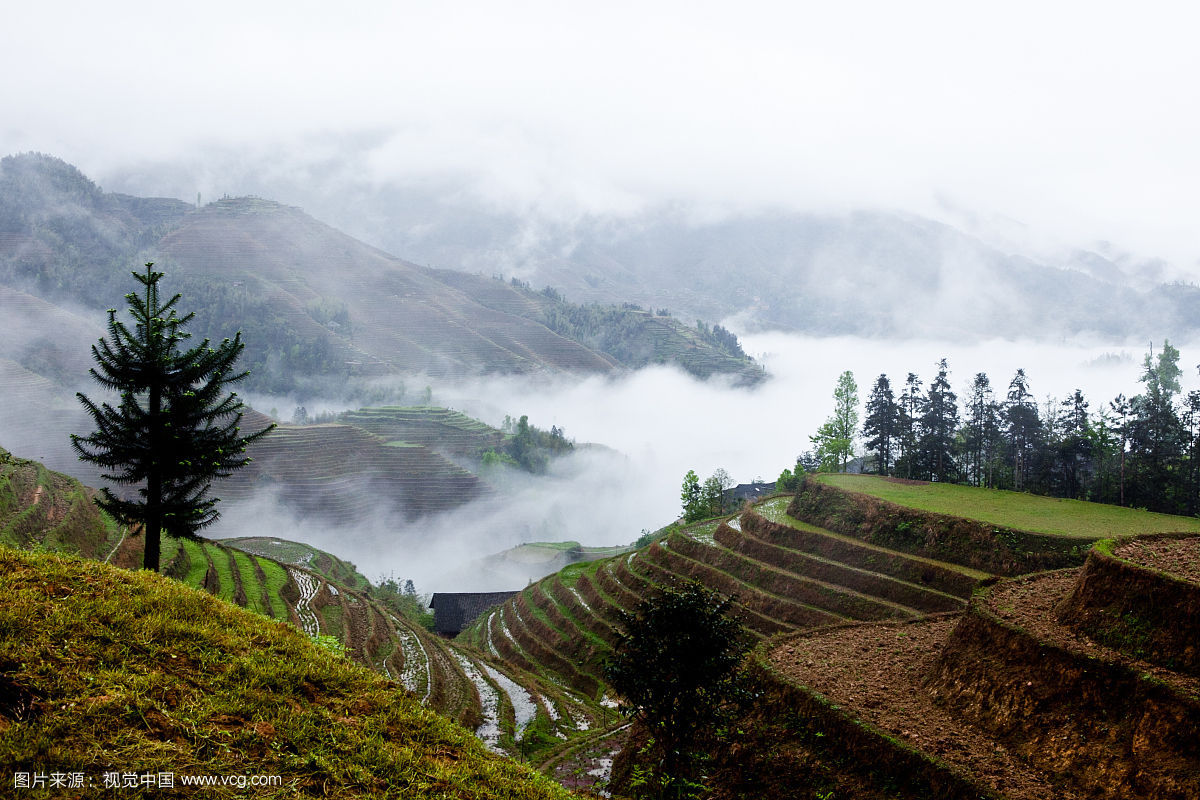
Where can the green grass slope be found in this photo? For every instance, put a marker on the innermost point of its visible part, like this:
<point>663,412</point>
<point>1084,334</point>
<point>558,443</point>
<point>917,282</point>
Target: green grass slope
<point>1018,510</point>
<point>104,670</point>
<point>48,510</point>
<point>314,591</point>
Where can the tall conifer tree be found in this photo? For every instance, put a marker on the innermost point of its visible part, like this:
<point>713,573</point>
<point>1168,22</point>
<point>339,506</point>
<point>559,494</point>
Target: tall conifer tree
<point>176,427</point>
<point>938,426</point>
<point>882,425</point>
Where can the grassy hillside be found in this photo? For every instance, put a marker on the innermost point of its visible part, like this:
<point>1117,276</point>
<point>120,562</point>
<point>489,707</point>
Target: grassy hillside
<point>44,509</point>
<point>314,591</point>
<point>104,670</point>
<point>1014,509</point>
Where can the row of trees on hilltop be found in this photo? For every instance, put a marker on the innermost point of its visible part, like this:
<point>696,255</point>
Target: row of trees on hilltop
<point>1141,451</point>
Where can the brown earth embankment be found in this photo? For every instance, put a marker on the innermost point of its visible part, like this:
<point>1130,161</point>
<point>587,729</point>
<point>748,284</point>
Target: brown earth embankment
<point>1134,608</point>
<point>1068,706</point>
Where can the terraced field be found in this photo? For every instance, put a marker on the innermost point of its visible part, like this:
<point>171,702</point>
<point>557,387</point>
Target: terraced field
<point>321,595</point>
<point>341,471</point>
<point>440,429</point>
<point>1043,688</point>
<point>786,579</point>
<point>886,567</point>
<point>44,509</point>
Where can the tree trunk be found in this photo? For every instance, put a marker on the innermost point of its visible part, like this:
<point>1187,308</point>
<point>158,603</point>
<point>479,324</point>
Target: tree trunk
<point>152,533</point>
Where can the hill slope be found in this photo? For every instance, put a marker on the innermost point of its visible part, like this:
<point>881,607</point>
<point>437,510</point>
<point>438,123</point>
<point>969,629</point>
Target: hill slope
<point>311,301</point>
<point>108,671</point>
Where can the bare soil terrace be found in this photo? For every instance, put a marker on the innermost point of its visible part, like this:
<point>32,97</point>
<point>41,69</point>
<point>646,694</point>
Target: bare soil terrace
<point>1178,557</point>
<point>876,673</point>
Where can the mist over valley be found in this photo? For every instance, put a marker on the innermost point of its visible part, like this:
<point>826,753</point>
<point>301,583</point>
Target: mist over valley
<point>827,374</point>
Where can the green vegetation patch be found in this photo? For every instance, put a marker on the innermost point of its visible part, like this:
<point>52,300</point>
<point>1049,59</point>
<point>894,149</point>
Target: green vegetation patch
<point>110,670</point>
<point>197,563</point>
<point>224,569</point>
<point>328,566</point>
<point>1074,518</point>
<point>250,582</point>
<point>276,579</point>
<point>569,575</point>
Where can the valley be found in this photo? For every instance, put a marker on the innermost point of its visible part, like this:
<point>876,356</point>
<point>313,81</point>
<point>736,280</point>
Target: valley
<point>902,662</point>
<point>909,639</point>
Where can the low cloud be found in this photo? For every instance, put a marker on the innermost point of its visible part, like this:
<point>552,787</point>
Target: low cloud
<point>655,425</point>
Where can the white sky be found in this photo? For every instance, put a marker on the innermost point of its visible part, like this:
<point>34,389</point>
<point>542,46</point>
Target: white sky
<point>1077,119</point>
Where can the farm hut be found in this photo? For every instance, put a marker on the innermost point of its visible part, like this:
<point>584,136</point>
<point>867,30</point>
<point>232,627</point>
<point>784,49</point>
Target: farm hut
<point>454,611</point>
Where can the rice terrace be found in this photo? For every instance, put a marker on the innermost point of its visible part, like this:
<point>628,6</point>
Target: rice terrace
<point>418,584</point>
<point>1010,651</point>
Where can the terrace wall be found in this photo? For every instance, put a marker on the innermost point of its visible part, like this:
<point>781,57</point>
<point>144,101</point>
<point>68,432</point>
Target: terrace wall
<point>979,545</point>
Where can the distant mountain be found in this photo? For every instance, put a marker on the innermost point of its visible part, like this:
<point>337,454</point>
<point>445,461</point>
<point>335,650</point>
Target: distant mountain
<point>312,302</point>
<point>869,272</point>
<point>875,274</point>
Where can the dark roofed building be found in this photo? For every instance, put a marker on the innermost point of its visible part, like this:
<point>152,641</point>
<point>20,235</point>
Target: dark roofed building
<point>455,611</point>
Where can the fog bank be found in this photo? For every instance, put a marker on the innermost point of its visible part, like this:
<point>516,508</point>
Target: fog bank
<point>660,423</point>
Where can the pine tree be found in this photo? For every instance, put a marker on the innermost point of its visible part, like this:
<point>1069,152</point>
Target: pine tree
<point>881,428</point>
<point>1156,434</point>
<point>912,404</point>
<point>981,432</point>
<point>1024,429</point>
<point>176,427</point>
<point>938,426</point>
<point>1074,444</point>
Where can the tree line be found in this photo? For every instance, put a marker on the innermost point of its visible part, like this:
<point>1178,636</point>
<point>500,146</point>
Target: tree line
<point>1141,451</point>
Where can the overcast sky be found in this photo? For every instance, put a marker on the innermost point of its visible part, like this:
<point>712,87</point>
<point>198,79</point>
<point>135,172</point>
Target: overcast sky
<point>1077,119</point>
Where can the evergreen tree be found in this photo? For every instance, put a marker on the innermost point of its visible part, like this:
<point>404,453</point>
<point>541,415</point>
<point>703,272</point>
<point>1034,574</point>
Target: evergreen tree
<point>1191,481</point>
<point>1156,434</point>
<point>1107,450</point>
<point>175,429</point>
<point>911,407</point>
<point>1121,412</point>
<point>981,433</point>
<point>882,425</point>
<point>1023,429</point>
<point>938,425</point>
<point>1074,440</point>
